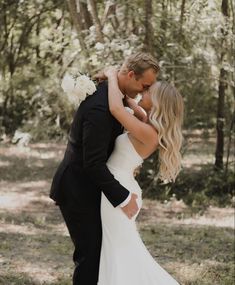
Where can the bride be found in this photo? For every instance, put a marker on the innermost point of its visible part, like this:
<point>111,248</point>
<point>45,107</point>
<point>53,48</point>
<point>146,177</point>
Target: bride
<point>124,257</point>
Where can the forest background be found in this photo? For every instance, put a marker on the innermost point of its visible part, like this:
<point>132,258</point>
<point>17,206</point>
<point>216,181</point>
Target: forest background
<point>192,40</point>
<point>194,43</point>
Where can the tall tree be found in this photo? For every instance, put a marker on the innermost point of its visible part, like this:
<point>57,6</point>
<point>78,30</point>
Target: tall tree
<point>148,26</point>
<point>96,20</point>
<point>182,12</point>
<point>222,88</point>
<point>77,22</point>
<point>85,14</point>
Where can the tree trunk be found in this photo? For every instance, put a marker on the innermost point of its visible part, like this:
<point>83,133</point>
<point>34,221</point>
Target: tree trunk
<point>126,15</point>
<point>219,153</point>
<point>96,20</point>
<point>83,14</point>
<point>37,48</point>
<point>220,122</point>
<point>77,23</point>
<point>163,28</point>
<point>229,142</point>
<point>148,26</point>
<point>163,24</point>
<point>182,16</point>
<point>110,9</point>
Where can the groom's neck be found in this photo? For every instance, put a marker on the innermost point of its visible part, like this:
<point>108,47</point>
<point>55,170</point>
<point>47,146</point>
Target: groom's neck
<point>121,82</point>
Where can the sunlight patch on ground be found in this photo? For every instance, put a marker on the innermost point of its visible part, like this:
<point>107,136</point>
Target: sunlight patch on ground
<point>14,151</point>
<point>18,186</point>
<point>154,212</point>
<point>42,151</point>
<point>185,272</point>
<point>19,229</point>
<point>2,259</point>
<point>16,196</point>
<point>196,272</point>
<point>188,272</point>
<point>39,272</point>
<point>5,163</point>
<point>222,222</point>
<point>15,201</point>
<point>60,229</point>
<point>29,229</point>
<point>197,161</point>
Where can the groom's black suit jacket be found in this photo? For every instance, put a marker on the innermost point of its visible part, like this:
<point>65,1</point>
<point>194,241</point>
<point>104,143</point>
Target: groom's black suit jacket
<point>83,173</point>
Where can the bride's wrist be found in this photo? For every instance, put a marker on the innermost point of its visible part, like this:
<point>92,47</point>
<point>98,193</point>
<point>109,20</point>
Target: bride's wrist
<point>112,77</point>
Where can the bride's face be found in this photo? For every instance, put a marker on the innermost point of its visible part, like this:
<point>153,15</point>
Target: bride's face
<point>145,101</point>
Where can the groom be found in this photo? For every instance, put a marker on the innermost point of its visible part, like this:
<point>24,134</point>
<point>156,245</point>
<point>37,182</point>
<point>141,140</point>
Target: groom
<point>83,174</point>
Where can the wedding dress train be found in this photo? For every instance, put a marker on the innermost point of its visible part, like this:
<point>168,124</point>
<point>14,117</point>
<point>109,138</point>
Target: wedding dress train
<point>124,258</point>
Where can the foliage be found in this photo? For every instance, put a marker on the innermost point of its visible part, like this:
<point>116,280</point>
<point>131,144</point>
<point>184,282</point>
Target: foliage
<point>197,188</point>
<point>193,41</point>
<point>29,62</point>
<point>38,44</point>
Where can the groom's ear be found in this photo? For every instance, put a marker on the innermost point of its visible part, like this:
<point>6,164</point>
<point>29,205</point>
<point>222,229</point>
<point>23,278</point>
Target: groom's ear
<point>131,74</point>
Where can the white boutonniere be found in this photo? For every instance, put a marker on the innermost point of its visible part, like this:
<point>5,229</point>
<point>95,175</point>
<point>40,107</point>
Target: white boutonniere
<point>77,87</point>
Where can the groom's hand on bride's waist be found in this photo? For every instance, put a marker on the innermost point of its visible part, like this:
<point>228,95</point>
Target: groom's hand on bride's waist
<point>131,208</point>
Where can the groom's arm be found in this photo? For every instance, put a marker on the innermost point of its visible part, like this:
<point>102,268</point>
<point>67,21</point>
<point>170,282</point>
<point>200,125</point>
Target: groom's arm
<point>97,129</point>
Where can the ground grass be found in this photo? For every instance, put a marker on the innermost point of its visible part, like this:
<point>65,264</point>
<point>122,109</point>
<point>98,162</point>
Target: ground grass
<point>35,248</point>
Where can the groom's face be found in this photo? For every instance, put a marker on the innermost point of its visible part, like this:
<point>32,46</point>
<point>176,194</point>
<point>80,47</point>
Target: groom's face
<point>138,84</point>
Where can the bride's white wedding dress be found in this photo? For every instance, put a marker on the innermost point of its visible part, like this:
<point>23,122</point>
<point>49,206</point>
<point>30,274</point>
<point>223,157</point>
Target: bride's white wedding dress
<point>124,258</point>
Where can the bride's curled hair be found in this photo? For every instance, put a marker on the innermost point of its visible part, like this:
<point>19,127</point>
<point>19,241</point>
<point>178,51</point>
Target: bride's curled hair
<point>167,116</point>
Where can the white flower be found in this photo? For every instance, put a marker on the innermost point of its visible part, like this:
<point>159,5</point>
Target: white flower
<point>99,46</point>
<point>68,83</point>
<point>85,84</point>
<point>77,88</point>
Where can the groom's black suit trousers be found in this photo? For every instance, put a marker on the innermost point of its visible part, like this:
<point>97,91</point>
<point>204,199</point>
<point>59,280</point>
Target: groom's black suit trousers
<point>80,178</point>
<point>86,234</point>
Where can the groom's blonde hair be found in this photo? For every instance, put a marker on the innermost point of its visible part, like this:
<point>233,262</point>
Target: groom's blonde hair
<point>139,63</point>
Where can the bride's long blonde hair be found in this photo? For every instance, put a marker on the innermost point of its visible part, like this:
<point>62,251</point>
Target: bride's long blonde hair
<point>166,116</point>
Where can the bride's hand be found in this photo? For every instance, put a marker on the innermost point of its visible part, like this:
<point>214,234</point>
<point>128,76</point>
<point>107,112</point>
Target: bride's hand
<point>100,76</point>
<point>131,208</point>
<point>105,73</point>
<point>110,71</point>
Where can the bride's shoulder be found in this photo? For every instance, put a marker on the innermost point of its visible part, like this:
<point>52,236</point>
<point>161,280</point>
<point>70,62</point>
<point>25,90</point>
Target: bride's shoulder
<point>151,135</point>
